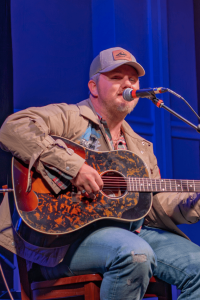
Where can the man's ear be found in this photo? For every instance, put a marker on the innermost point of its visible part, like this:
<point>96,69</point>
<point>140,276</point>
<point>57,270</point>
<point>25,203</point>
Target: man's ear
<point>93,88</point>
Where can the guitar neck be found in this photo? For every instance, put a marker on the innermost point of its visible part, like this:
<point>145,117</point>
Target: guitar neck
<point>162,185</point>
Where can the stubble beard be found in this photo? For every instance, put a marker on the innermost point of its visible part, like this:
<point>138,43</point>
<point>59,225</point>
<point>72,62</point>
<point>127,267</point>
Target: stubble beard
<point>119,110</point>
<point>122,107</point>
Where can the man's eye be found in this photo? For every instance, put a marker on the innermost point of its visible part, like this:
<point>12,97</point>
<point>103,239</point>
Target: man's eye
<point>132,79</point>
<point>116,77</point>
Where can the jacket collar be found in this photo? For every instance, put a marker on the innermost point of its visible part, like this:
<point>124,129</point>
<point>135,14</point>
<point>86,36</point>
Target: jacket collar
<point>87,110</point>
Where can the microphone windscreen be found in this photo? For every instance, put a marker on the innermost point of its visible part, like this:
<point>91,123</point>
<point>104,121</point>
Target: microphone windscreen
<point>127,94</point>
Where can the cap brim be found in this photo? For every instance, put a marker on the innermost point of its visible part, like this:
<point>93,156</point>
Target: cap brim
<point>135,65</point>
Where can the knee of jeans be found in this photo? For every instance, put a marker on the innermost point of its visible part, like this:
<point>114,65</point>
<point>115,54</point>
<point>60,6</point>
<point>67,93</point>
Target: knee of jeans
<point>139,256</point>
<point>147,255</point>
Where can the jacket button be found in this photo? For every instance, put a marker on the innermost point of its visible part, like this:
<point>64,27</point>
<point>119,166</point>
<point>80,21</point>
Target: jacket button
<point>142,152</point>
<point>67,168</point>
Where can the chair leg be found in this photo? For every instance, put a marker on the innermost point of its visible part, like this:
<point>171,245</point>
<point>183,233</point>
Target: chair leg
<point>25,285</point>
<point>92,291</point>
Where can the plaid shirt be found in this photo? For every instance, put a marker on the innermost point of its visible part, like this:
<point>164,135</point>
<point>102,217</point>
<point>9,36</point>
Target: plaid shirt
<point>62,179</point>
<point>120,144</point>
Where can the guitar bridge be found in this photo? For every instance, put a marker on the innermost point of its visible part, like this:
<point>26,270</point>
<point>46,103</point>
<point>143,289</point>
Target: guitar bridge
<point>76,197</point>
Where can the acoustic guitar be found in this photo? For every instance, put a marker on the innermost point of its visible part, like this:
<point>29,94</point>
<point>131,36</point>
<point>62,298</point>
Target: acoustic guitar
<point>45,219</point>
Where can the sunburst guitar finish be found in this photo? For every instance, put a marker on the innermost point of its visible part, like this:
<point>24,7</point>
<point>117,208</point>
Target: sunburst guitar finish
<point>44,218</point>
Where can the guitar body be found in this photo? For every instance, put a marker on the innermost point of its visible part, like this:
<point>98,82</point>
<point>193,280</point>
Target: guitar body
<point>45,219</point>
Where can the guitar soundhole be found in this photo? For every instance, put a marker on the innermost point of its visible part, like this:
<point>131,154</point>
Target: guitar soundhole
<point>114,184</point>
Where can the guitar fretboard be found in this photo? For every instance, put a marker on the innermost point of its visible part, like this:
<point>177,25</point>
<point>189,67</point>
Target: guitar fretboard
<point>162,185</point>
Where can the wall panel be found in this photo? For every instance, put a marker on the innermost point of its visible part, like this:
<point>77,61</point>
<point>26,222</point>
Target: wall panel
<point>182,60</point>
<point>52,51</point>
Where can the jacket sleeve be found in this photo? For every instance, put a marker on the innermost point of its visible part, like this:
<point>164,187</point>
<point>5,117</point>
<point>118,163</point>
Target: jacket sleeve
<point>27,135</point>
<point>182,208</point>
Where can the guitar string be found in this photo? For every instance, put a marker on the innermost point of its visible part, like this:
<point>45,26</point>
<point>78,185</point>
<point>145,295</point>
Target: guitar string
<point>146,178</point>
<point>159,181</point>
<point>141,181</point>
<point>149,184</point>
<point>146,185</point>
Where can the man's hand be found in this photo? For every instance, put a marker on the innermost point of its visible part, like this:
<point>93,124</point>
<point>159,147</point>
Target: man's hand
<point>88,180</point>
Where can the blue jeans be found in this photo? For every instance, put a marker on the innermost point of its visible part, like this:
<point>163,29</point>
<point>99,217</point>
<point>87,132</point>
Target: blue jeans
<point>178,261</point>
<point>127,262</point>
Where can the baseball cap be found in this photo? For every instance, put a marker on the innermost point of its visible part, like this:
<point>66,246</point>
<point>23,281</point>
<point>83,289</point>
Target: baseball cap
<point>112,58</point>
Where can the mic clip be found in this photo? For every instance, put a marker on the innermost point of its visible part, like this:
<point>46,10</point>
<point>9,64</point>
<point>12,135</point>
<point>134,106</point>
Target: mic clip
<point>159,103</point>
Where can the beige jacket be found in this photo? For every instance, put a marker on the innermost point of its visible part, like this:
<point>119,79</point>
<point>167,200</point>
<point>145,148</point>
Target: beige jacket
<point>27,135</point>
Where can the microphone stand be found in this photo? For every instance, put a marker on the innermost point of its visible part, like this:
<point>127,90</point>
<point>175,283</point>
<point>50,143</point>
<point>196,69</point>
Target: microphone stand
<point>160,104</point>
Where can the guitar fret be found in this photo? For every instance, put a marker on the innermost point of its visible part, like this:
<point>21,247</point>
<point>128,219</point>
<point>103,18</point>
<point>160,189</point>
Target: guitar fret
<point>143,184</point>
<point>154,185</point>
<point>165,184</point>
<point>162,185</point>
<point>140,184</point>
<point>178,186</point>
<point>149,185</point>
<point>174,187</point>
<point>191,188</point>
<point>185,185</point>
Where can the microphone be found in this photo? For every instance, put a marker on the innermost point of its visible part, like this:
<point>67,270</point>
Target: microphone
<point>130,94</point>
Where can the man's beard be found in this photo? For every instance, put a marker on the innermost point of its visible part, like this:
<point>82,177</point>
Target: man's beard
<point>126,108</point>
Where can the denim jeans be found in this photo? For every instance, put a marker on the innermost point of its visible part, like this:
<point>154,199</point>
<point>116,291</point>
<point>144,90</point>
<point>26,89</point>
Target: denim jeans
<point>178,261</point>
<point>125,260</point>
<point>128,260</point>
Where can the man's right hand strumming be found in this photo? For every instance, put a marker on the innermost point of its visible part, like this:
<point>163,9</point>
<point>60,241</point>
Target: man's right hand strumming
<point>88,181</point>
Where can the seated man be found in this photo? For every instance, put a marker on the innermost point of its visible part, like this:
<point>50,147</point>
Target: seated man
<point>126,253</point>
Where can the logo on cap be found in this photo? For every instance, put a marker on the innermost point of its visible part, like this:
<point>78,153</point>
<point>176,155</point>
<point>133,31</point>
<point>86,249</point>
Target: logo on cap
<point>122,54</point>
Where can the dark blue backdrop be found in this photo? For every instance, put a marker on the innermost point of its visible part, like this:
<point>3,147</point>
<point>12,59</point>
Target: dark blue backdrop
<point>55,41</point>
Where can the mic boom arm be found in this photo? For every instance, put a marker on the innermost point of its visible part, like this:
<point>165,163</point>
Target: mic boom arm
<point>160,104</point>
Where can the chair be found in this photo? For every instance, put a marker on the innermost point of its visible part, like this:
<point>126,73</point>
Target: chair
<point>78,287</point>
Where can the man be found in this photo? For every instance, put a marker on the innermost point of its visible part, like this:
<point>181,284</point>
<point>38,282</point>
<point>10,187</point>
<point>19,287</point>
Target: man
<point>124,253</point>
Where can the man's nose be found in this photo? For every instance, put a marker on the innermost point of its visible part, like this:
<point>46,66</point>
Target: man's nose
<point>126,83</point>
